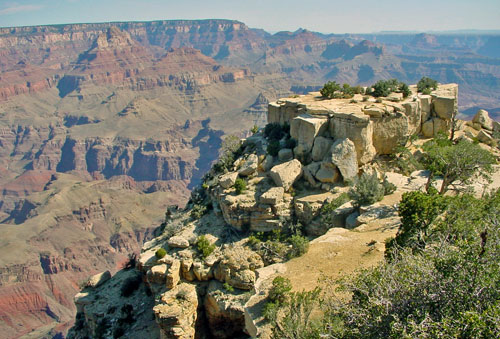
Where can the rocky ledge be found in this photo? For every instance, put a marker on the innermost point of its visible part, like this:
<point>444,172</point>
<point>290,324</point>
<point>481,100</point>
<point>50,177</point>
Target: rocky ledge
<point>208,270</point>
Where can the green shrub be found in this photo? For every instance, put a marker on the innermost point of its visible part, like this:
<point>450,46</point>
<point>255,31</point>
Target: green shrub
<point>403,88</point>
<point>205,248</point>
<point>329,89</point>
<point>426,85</point>
<point>254,129</point>
<point>274,131</point>
<point>228,287</point>
<point>389,187</point>
<point>367,190</point>
<point>280,289</point>
<point>198,211</point>
<point>273,148</point>
<point>300,245</point>
<point>160,253</point>
<point>240,185</point>
<point>270,310</point>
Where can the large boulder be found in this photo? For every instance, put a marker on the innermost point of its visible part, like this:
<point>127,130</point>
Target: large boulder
<point>483,119</point>
<point>284,175</point>
<point>157,274</point>
<point>272,196</point>
<point>485,137</point>
<point>285,154</point>
<point>178,242</point>
<point>98,279</point>
<point>227,180</point>
<point>176,312</point>
<point>343,156</point>
<point>250,165</point>
<point>392,130</point>
<point>305,128</point>
<point>414,114</point>
<point>237,267</point>
<point>173,275</point>
<point>327,173</point>
<point>425,107</point>
<point>320,148</point>
<point>359,129</point>
<point>445,107</point>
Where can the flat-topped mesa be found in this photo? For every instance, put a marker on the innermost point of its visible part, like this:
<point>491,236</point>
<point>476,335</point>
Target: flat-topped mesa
<point>374,126</point>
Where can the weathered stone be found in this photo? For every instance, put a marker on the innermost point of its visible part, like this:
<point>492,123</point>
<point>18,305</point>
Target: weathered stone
<point>327,173</point>
<point>483,119</point>
<point>336,219</point>
<point>359,129</point>
<point>496,126</point>
<point>157,274</point>
<point>224,310</point>
<point>285,154</point>
<point>313,167</point>
<point>173,274</point>
<point>309,177</point>
<point>390,131</point>
<point>307,207</point>
<point>351,220</point>
<point>305,128</point>
<point>428,129</point>
<point>425,107</point>
<point>237,267</point>
<point>284,175</point>
<point>98,279</point>
<point>343,156</point>
<point>272,196</point>
<point>176,312</point>
<point>178,242</point>
<point>268,163</point>
<point>320,148</point>
<point>249,166</point>
<point>374,111</point>
<point>441,125</point>
<point>227,180</point>
<point>445,107</point>
<point>484,137</point>
<point>374,212</point>
<point>202,272</point>
<point>414,114</point>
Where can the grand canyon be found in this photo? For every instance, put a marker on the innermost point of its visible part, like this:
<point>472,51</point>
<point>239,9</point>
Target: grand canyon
<point>105,125</point>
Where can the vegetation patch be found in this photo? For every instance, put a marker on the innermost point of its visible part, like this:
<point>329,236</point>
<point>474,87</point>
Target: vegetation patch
<point>240,185</point>
<point>205,248</point>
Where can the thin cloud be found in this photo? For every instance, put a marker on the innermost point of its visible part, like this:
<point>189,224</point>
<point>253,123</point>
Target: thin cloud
<point>19,9</point>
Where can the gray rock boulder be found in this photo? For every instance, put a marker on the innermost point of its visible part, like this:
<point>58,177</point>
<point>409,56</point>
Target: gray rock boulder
<point>250,165</point>
<point>343,155</point>
<point>178,242</point>
<point>327,173</point>
<point>227,180</point>
<point>483,119</point>
<point>305,128</point>
<point>284,175</point>
<point>320,148</point>
<point>272,196</point>
<point>285,154</point>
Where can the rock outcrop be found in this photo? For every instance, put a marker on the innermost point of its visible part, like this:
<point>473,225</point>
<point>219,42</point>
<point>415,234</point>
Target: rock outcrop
<point>374,127</point>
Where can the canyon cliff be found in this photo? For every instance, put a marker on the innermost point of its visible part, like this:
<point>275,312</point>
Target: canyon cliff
<point>102,126</point>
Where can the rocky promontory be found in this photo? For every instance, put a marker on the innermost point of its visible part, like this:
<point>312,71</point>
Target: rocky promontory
<point>210,269</point>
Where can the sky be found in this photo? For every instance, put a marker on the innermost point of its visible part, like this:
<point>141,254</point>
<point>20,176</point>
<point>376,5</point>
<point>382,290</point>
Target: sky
<point>326,16</point>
